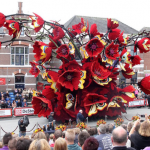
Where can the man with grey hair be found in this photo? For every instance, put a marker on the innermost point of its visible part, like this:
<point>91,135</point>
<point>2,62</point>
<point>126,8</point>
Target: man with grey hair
<point>70,137</point>
<point>119,139</point>
<point>80,117</point>
<point>103,138</point>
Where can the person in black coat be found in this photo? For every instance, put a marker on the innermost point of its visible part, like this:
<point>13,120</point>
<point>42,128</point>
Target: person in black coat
<point>50,117</point>
<point>119,139</point>
<point>19,104</point>
<point>80,117</point>
<point>148,98</point>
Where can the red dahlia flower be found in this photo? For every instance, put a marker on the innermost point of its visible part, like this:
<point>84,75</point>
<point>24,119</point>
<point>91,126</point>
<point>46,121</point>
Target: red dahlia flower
<point>81,27</point>
<point>143,45</point>
<point>43,52</point>
<point>94,31</point>
<point>13,28</point>
<point>34,69</point>
<point>112,51</point>
<point>2,19</point>
<point>63,51</point>
<point>144,84</point>
<point>38,22</point>
<point>70,79</point>
<point>113,34</point>
<point>42,106</point>
<point>48,92</point>
<point>58,32</point>
<point>112,24</point>
<point>94,47</point>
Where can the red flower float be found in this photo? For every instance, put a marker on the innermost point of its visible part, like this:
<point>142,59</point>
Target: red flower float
<point>34,69</point>
<point>13,28</point>
<point>113,34</point>
<point>2,19</point>
<point>112,24</point>
<point>94,47</point>
<point>37,22</point>
<point>144,84</point>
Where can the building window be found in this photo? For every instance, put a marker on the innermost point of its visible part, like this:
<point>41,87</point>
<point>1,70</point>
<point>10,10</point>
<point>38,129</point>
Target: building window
<point>22,31</point>
<point>19,55</point>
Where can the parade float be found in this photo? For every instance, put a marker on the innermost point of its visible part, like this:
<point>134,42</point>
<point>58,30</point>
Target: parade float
<point>90,64</point>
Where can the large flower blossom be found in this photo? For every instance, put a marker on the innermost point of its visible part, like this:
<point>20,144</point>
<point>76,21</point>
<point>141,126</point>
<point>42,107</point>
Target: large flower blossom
<point>37,22</point>
<point>13,28</point>
<point>113,34</point>
<point>143,45</point>
<point>34,69</point>
<point>94,47</point>
<point>112,24</point>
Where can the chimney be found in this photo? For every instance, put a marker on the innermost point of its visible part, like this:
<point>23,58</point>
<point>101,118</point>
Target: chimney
<point>20,8</point>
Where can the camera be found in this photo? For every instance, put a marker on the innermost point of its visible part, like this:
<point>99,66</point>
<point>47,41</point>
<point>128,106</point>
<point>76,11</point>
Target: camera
<point>142,115</point>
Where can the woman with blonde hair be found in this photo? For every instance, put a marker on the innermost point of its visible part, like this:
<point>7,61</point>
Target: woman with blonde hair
<point>140,139</point>
<point>39,144</point>
<point>40,135</point>
<point>60,144</point>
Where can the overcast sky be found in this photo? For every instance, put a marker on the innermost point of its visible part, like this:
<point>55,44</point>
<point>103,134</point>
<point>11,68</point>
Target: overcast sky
<point>135,13</point>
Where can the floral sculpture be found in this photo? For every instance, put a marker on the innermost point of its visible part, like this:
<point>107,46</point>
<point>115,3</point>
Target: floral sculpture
<point>134,118</point>
<point>88,83</point>
<point>61,127</point>
<point>118,121</point>
<point>81,125</point>
<point>38,130</point>
<point>100,122</point>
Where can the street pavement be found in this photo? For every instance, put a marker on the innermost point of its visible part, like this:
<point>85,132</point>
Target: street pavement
<point>10,124</point>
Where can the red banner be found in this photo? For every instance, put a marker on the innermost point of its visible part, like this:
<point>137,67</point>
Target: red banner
<point>6,112</point>
<point>2,81</point>
<point>23,111</point>
<point>136,103</point>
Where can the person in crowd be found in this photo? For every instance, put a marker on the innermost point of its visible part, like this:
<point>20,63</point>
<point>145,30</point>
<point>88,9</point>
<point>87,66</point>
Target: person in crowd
<point>140,95</point>
<point>80,117</point>
<point>4,104</point>
<point>17,96</point>
<point>51,117</point>
<point>90,144</point>
<point>19,92</point>
<point>124,126</point>
<point>103,138</point>
<point>30,92</point>
<point>129,127</point>
<point>136,93</point>
<point>23,144</point>
<point>141,139</point>
<point>14,105</point>
<point>110,128</point>
<point>24,103</point>
<point>40,135</point>
<point>6,139</point>
<point>119,139</point>
<point>9,104</point>
<point>82,137</point>
<point>1,144</point>
<point>63,134</point>
<point>12,144</point>
<point>39,144</point>
<point>22,97</point>
<point>25,93</point>
<point>148,98</point>
<point>15,91</point>
<point>22,127</point>
<point>6,94</point>
<point>70,137</point>
<point>57,134</point>
<point>47,136</point>
<point>19,104</point>
<point>60,144</point>
<point>7,98</point>
<point>51,141</point>
<point>77,131</point>
<point>3,98</point>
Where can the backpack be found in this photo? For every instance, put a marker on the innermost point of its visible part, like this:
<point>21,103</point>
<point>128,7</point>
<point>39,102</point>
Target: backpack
<point>26,121</point>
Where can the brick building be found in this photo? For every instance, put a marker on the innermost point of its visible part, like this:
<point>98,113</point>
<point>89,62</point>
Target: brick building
<point>14,61</point>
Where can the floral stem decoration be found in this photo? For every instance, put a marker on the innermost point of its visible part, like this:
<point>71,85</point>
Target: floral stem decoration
<point>61,127</point>
<point>134,118</point>
<point>81,125</point>
<point>88,65</point>
<point>118,121</point>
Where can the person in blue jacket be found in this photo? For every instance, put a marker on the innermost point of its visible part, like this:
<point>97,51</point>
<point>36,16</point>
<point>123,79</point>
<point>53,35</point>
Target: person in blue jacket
<point>80,117</point>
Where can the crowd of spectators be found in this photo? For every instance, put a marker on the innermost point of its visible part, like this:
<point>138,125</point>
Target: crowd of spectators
<point>20,98</point>
<point>135,135</point>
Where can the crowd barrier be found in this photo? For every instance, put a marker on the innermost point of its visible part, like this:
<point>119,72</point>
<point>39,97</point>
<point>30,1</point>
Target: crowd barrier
<point>21,111</point>
<point>138,103</point>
